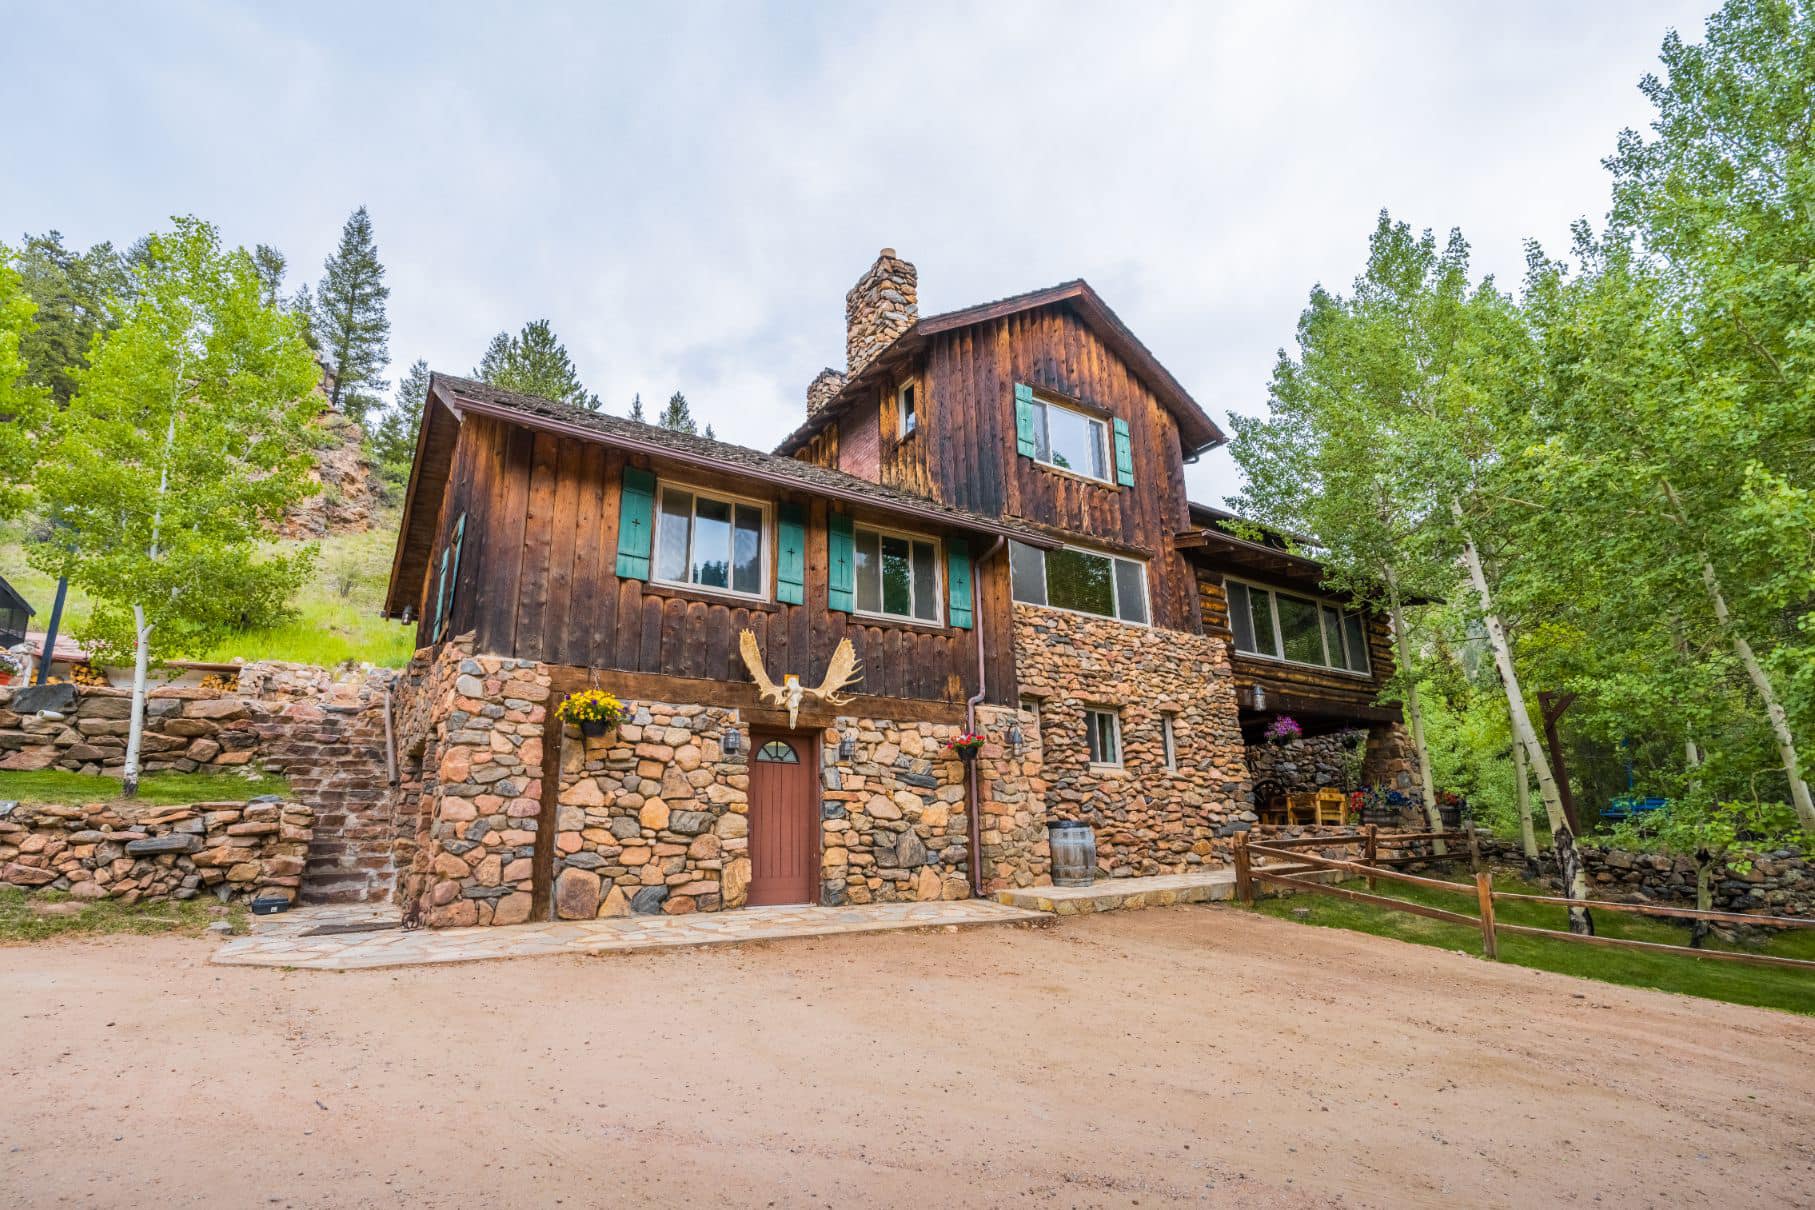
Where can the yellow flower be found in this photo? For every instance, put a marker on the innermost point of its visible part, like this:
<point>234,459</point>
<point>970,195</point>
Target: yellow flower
<point>590,705</point>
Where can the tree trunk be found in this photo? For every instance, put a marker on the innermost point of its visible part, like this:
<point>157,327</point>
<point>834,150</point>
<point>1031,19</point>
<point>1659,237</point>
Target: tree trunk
<point>1528,835</point>
<point>1767,693</point>
<point>1704,895</point>
<point>1569,861</point>
<point>141,667</point>
<point>1414,714</point>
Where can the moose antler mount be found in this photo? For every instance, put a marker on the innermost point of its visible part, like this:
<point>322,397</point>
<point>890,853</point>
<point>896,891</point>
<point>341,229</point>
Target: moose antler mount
<point>842,671</point>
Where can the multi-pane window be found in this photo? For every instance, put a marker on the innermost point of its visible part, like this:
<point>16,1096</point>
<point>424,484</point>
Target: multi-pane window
<point>1080,580</point>
<point>1282,625</point>
<point>1103,732</point>
<point>710,541</point>
<point>897,575</point>
<point>1070,440</point>
<point>907,405</point>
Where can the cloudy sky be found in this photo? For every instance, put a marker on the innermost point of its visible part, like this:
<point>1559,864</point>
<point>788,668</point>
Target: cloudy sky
<point>687,190</point>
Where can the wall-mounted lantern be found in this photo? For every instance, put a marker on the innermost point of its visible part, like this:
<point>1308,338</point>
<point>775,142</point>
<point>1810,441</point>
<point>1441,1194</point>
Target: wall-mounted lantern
<point>847,746</point>
<point>729,742</point>
<point>1015,738</point>
<point>1260,697</point>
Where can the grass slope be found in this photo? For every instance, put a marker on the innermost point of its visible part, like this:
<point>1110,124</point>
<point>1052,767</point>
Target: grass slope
<point>336,618</point>
<point>1764,987</point>
<point>155,789</point>
<point>46,914</point>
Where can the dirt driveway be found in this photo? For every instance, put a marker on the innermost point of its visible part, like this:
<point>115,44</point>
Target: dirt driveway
<point>1180,1056</point>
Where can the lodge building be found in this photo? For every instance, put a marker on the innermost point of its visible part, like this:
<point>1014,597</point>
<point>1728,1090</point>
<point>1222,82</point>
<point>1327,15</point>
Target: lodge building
<point>989,505</point>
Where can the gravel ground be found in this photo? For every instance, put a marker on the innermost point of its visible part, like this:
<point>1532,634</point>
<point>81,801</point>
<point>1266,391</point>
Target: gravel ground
<point>1177,1056</point>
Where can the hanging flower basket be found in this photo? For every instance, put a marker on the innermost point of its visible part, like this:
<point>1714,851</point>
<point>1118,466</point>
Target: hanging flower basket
<point>594,711</point>
<point>1283,730</point>
<point>966,745</point>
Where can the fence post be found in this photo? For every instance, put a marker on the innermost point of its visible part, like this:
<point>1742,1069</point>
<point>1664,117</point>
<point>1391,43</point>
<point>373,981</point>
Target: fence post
<point>1474,850</point>
<point>1370,852</point>
<point>1484,892</point>
<point>1244,879</point>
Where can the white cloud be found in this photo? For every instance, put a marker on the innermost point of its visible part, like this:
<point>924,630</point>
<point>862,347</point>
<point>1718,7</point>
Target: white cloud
<point>688,193</point>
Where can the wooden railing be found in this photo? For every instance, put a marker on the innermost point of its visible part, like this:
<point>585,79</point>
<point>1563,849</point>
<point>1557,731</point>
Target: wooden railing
<point>1248,872</point>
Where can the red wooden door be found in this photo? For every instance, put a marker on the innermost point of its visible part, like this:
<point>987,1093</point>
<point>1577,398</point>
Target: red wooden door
<point>784,837</point>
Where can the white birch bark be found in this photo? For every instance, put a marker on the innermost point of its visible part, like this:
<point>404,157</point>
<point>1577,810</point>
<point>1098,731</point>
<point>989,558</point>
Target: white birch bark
<point>1414,714</point>
<point>1569,862</point>
<point>141,667</point>
<point>1528,836</point>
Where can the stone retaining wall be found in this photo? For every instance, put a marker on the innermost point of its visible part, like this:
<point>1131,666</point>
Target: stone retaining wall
<point>322,730</point>
<point>1305,764</point>
<point>1780,883</point>
<point>238,850</point>
<point>1148,819</point>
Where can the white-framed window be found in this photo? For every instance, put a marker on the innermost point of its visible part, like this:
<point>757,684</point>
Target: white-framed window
<point>1280,625</point>
<point>1103,733</point>
<point>907,407</point>
<point>1169,742</point>
<point>705,539</point>
<point>1071,440</point>
<point>898,575</point>
<point>1083,581</point>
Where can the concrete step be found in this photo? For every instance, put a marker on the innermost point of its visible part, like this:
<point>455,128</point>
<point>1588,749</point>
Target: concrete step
<point>1128,894</point>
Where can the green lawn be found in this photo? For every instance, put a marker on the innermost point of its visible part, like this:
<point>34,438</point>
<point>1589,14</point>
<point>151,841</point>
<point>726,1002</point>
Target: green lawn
<point>155,789</point>
<point>45,914</point>
<point>1734,982</point>
<point>336,618</point>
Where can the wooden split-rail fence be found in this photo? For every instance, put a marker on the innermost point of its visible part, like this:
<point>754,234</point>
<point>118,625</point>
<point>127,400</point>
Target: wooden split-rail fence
<point>1295,864</point>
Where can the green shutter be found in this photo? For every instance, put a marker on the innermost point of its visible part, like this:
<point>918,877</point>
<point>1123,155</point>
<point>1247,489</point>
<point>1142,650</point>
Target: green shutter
<point>1024,420</point>
<point>1124,455</point>
<point>841,558</point>
<point>791,559</point>
<point>958,581</point>
<point>436,621</point>
<point>453,571</point>
<point>636,523</point>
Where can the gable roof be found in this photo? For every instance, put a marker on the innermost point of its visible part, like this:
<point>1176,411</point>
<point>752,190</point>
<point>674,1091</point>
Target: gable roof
<point>449,398</point>
<point>1197,430</point>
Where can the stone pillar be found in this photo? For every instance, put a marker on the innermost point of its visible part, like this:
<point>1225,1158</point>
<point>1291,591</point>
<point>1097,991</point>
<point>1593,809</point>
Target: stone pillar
<point>883,304</point>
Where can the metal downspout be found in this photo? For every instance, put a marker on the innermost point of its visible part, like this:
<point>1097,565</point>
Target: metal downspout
<point>970,722</point>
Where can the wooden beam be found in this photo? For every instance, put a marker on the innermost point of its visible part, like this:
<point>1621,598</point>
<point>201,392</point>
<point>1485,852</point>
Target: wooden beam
<point>743,697</point>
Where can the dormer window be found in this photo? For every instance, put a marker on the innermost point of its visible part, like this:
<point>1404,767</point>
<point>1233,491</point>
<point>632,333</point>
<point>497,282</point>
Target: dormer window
<point>907,401</point>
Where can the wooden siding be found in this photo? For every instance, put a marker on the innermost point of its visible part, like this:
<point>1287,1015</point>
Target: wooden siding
<point>963,452</point>
<point>1284,680</point>
<point>537,580</point>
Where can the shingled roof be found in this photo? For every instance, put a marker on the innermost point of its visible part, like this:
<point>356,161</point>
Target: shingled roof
<point>1197,430</point>
<point>450,397</point>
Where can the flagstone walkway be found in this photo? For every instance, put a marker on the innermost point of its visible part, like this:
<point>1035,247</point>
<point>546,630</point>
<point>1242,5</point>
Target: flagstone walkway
<point>282,940</point>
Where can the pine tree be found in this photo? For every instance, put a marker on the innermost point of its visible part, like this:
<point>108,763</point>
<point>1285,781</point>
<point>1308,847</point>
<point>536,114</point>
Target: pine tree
<point>76,295</point>
<point>636,409</point>
<point>270,264</point>
<point>534,362</point>
<point>350,319</point>
<point>677,416</point>
<point>710,435</point>
<point>394,437</point>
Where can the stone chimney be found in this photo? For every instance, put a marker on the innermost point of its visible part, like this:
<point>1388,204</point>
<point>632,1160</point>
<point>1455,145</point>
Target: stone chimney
<point>827,383</point>
<point>883,304</point>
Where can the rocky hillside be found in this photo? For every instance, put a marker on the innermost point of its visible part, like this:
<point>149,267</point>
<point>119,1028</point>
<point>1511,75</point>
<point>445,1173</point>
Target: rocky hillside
<point>349,498</point>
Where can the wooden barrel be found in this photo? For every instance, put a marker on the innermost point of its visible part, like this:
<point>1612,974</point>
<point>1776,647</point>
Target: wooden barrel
<point>1074,852</point>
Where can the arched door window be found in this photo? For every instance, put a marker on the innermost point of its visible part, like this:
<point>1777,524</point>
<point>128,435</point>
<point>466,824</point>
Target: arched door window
<point>777,752</point>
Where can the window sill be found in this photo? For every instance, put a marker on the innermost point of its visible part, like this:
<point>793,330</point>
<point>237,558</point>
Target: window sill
<point>714,596</point>
<point>1062,472</point>
<point>1283,661</point>
<point>1104,770</point>
<point>887,619</point>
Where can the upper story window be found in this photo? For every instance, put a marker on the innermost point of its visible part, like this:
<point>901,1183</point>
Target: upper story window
<point>711,541</point>
<point>1084,581</point>
<point>907,407</point>
<point>1284,626</point>
<point>897,575</point>
<point>1070,440</point>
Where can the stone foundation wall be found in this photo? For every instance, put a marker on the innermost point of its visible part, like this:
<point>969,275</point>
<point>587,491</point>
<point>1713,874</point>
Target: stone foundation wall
<point>1780,883</point>
<point>1016,852</point>
<point>1148,819</point>
<point>1389,761</point>
<point>467,819</point>
<point>654,818</point>
<point>237,850</point>
<point>1306,764</point>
